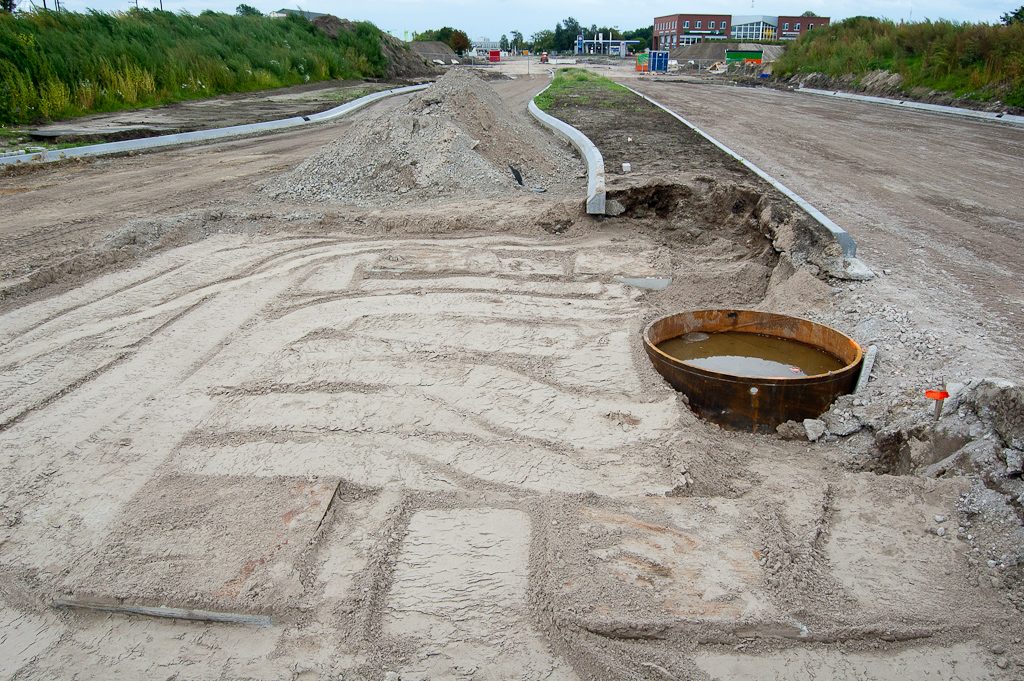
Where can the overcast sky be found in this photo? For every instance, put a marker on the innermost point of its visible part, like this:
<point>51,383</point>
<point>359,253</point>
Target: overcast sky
<point>492,18</point>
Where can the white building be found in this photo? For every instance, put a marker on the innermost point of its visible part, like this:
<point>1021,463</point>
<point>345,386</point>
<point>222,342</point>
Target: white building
<point>309,16</point>
<point>486,44</point>
<point>754,28</point>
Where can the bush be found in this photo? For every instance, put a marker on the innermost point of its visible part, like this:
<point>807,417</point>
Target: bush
<point>979,60</point>
<point>66,64</point>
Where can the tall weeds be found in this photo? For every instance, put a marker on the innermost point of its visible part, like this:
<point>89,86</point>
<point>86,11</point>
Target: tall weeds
<point>57,64</point>
<point>977,60</point>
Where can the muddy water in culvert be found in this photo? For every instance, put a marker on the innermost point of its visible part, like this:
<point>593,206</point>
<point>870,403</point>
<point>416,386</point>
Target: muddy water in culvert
<point>750,354</point>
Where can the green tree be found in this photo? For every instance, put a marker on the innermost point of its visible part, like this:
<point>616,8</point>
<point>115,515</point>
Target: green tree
<point>503,43</point>
<point>8,6</point>
<point>808,13</point>
<point>565,34</point>
<point>644,35</point>
<point>459,41</point>
<point>543,41</point>
<point>1014,17</point>
<point>517,41</point>
<point>443,35</point>
<point>247,11</point>
<point>572,28</point>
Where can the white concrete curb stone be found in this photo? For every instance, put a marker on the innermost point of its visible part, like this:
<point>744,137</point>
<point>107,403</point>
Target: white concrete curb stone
<point>595,162</point>
<point>1009,119</point>
<point>181,138</point>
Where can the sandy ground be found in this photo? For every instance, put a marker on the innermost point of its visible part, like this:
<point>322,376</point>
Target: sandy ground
<point>429,447</point>
<point>205,114</point>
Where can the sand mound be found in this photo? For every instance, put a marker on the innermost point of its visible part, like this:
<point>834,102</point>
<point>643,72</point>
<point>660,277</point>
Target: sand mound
<point>454,140</point>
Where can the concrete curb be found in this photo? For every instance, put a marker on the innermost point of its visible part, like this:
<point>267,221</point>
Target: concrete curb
<point>177,139</point>
<point>591,156</point>
<point>855,269</point>
<point>1009,119</point>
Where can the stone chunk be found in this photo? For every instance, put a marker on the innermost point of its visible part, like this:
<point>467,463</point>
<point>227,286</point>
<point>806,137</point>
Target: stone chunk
<point>1014,461</point>
<point>613,208</point>
<point>815,429</point>
<point>842,423</point>
<point>791,430</point>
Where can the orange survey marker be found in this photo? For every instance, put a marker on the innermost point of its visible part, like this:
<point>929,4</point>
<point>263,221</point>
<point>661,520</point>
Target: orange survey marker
<point>939,396</point>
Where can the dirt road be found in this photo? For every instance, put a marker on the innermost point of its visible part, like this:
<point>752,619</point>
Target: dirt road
<point>930,198</point>
<point>56,214</point>
<point>426,444</point>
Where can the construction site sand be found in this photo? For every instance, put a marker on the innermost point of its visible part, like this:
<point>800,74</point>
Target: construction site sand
<point>447,458</point>
<point>457,139</point>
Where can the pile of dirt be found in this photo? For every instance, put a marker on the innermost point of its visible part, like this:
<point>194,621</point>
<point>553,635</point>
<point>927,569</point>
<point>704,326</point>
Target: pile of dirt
<point>456,140</point>
<point>402,62</point>
<point>434,49</point>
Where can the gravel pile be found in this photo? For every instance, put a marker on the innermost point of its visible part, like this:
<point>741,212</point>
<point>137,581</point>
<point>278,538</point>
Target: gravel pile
<point>452,141</point>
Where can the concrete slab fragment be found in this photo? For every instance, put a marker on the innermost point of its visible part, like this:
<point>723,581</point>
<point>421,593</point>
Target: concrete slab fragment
<point>459,598</point>
<point>219,543</point>
<point>897,567</point>
<point>689,569</point>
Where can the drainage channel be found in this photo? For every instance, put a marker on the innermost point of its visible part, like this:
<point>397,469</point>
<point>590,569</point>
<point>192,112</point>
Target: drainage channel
<point>177,139</point>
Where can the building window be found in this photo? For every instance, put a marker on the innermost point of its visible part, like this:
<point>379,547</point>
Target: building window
<point>698,24</point>
<point>785,26</point>
<point>724,25</point>
<point>686,24</point>
<point>797,26</point>
<point>810,26</point>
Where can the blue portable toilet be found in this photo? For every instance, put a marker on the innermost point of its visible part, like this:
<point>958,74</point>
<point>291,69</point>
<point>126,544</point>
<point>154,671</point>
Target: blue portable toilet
<point>658,62</point>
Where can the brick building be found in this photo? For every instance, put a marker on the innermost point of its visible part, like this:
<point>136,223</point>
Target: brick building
<point>674,30</point>
<point>686,29</point>
<point>791,28</point>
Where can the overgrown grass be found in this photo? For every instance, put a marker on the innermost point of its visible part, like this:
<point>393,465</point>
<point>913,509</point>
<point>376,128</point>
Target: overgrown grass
<point>578,83</point>
<point>977,60</point>
<point>58,64</point>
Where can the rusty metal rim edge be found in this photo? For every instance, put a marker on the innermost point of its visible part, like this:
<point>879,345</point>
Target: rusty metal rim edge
<point>732,378</point>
